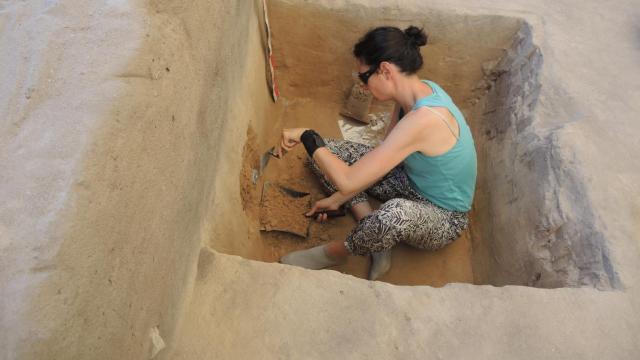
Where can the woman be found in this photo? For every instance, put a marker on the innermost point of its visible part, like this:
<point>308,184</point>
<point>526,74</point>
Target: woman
<point>424,170</point>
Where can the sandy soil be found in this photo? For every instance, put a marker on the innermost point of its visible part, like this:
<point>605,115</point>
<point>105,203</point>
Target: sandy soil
<point>280,211</point>
<point>410,266</point>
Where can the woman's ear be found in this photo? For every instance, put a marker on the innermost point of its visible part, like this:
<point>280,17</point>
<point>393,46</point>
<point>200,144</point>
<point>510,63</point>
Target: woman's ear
<point>388,69</point>
<point>385,69</point>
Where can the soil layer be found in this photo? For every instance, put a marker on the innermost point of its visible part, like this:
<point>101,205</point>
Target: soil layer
<point>280,211</point>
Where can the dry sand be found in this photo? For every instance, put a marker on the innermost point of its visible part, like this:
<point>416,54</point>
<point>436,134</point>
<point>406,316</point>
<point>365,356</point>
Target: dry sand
<point>280,211</point>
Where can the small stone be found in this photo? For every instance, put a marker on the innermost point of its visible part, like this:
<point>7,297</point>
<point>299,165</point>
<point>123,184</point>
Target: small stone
<point>487,67</point>
<point>324,237</point>
<point>157,344</point>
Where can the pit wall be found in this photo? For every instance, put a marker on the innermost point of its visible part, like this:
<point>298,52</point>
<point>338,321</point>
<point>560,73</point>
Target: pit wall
<point>317,63</point>
<point>154,94</point>
<point>534,225</point>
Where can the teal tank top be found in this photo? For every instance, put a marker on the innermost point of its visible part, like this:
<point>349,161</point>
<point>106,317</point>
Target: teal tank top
<point>447,180</point>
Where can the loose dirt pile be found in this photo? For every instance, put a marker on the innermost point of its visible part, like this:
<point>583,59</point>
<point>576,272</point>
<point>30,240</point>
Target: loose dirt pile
<point>357,104</point>
<point>249,164</point>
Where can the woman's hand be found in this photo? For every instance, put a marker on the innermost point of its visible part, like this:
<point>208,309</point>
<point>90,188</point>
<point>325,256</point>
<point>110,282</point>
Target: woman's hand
<point>289,139</point>
<point>330,203</point>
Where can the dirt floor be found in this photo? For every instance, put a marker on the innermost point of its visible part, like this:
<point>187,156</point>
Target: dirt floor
<point>283,209</point>
<point>410,266</point>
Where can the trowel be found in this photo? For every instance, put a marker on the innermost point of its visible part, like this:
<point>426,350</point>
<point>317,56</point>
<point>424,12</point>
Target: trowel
<point>264,160</point>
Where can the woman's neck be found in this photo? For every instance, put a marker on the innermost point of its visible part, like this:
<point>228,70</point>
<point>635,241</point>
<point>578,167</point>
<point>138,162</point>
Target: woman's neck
<point>409,90</point>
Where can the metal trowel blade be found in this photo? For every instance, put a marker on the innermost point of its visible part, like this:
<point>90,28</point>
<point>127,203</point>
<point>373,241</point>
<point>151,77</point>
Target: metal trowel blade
<point>264,159</point>
<point>294,193</point>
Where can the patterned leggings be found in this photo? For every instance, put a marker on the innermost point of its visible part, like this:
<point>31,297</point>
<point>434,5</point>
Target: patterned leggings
<point>406,216</point>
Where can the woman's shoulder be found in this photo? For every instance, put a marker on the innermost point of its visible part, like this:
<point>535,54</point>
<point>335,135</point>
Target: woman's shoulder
<point>419,124</point>
<point>434,123</point>
<point>426,116</point>
<point>415,122</point>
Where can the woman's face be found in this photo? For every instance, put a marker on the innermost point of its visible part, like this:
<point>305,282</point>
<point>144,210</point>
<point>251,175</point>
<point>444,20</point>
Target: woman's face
<point>377,83</point>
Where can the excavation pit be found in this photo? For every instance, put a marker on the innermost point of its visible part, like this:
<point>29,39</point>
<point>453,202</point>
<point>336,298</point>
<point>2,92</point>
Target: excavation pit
<point>123,146</point>
<point>489,66</point>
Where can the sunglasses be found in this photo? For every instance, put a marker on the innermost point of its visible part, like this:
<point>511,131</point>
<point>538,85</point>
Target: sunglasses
<point>364,76</point>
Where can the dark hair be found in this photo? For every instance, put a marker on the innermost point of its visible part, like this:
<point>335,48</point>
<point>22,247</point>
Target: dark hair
<point>387,43</point>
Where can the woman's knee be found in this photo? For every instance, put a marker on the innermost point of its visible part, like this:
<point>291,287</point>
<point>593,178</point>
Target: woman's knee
<point>374,233</point>
<point>421,225</point>
<point>347,151</point>
<point>333,146</point>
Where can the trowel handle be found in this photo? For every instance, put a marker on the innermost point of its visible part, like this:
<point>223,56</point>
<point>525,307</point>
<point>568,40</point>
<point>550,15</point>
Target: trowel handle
<point>330,213</point>
<point>333,213</point>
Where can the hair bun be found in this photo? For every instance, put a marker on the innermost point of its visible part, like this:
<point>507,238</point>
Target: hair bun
<point>416,36</point>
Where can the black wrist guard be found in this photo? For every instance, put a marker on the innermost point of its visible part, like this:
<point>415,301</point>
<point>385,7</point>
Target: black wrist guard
<point>311,141</point>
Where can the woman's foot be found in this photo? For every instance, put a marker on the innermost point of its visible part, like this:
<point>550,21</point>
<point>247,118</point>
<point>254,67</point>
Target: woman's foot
<point>315,258</point>
<point>380,264</point>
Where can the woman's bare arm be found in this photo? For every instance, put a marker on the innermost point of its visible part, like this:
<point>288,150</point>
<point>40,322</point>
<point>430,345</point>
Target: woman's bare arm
<point>399,144</point>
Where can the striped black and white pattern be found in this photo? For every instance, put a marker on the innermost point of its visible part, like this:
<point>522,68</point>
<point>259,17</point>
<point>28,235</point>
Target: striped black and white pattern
<point>406,216</point>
